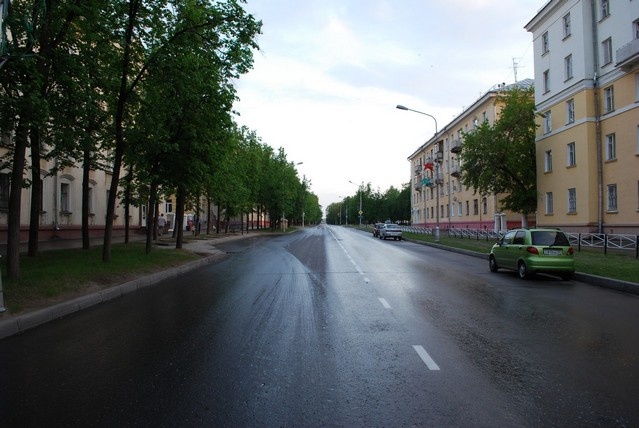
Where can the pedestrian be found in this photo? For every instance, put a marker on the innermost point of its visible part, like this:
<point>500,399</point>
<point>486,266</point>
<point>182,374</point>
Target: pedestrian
<point>161,224</point>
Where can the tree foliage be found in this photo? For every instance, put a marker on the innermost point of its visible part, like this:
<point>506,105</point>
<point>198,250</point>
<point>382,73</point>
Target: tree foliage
<point>500,158</point>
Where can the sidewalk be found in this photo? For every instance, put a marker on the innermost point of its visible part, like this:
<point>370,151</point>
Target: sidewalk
<point>13,324</point>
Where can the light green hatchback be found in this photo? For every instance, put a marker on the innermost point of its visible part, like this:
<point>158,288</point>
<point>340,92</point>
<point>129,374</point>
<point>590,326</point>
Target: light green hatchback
<point>528,251</point>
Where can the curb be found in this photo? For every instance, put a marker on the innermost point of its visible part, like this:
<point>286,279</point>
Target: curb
<point>19,323</point>
<point>615,284</point>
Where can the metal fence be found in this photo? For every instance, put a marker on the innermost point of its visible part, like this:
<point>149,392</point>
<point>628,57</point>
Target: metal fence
<point>579,240</point>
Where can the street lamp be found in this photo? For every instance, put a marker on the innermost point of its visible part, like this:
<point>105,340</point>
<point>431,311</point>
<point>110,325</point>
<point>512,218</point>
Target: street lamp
<point>359,190</point>
<point>401,107</point>
<point>438,161</point>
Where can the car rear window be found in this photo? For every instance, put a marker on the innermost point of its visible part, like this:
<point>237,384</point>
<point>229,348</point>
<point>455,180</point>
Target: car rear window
<point>392,226</point>
<point>549,238</point>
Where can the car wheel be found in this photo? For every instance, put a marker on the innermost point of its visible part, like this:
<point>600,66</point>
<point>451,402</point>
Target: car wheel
<point>522,270</point>
<point>492,263</point>
<point>566,276</point>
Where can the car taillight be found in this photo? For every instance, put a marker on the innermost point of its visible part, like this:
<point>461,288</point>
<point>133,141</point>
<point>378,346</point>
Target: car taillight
<point>571,251</point>
<point>532,250</point>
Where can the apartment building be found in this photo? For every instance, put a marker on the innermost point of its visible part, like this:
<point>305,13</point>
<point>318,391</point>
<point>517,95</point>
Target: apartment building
<point>61,202</point>
<point>587,99</point>
<point>438,197</point>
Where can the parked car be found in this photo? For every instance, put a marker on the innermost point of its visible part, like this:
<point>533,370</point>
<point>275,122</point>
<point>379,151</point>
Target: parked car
<point>390,230</point>
<point>528,251</point>
<point>376,229</point>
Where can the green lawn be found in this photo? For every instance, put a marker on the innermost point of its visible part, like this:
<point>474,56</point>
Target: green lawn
<point>65,273</point>
<point>619,264</point>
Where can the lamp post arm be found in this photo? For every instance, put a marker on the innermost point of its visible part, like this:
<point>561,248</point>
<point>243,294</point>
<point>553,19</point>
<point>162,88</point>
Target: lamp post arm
<point>401,107</point>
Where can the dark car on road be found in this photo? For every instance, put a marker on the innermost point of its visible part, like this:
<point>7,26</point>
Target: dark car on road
<point>528,251</point>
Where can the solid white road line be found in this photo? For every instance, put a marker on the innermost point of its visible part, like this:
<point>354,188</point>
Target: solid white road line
<point>425,357</point>
<point>384,303</point>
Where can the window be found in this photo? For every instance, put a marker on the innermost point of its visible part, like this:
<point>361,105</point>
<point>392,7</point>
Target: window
<point>547,122</point>
<point>637,140</point>
<point>572,201</point>
<point>571,156</point>
<point>567,29</point>
<point>606,47</point>
<point>544,43</point>
<point>609,99</point>
<point>484,206</point>
<point>549,203</point>
<point>570,111</point>
<point>5,179</point>
<point>635,29</point>
<point>548,161</point>
<point>475,207</point>
<point>64,197</point>
<point>460,209</point>
<point>611,147</point>
<point>612,197</point>
<point>546,81</point>
<point>467,208</point>
<point>605,8</point>
<point>168,206</point>
<point>568,67</point>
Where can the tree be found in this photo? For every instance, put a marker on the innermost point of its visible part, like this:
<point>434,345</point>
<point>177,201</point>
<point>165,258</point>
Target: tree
<point>500,159</point>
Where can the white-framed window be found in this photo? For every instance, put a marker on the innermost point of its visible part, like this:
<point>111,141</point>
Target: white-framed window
<point>168,206</point>
<point>567,29</point>
<point>612,197</point>
<point>611,147</point>
<point>546,82</point>
<point>65,197</point>
<point>549,203</point>
<point>547,122</point>
<point>605,8</point>
<point>572,200</point>
<point>606,51</point>
<point>460,209</point>
<point>609,99</point>
<point>548,161</point>
<point>484,206</point>
<point>545,43</point>
<point>571,155</point>
<point>568,67</point>
<point>570,111</point>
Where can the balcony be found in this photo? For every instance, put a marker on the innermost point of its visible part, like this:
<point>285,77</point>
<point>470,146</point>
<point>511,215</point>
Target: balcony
<point>418,169</point>
<point>455,171</point>
<point>417,183</point>
<point>456,146</point>
<point>628,55</point>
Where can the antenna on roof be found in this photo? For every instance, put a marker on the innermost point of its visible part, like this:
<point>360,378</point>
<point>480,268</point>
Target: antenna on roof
<point>515,67</point>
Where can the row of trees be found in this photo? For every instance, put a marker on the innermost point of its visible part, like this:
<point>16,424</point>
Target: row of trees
<point>143,89</point>
<point>393,205</point>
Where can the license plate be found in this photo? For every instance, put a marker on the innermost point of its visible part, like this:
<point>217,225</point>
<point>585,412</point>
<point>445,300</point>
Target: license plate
<point>551,252</point>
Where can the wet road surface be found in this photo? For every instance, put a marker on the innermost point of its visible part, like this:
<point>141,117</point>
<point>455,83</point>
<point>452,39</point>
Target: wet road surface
<point>330,327</point>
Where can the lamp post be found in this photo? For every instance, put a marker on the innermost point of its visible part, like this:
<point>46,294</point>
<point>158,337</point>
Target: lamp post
<point>401,107</point>
<point>359,190</point>
<point>438,161</point>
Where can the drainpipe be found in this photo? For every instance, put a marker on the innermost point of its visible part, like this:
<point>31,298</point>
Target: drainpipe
<point>595,80</point>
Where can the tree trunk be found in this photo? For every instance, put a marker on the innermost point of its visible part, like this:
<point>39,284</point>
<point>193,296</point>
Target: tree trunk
<point>86,168</point>
<point>179,215</point>
<point>36,193</point>
<point>127,204</point>
<point>152,217</point>
<point>15,195</point>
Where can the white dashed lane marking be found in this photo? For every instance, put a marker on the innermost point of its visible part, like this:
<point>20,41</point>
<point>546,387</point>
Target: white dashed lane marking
<point>425,357</point>
<point>384,303</point>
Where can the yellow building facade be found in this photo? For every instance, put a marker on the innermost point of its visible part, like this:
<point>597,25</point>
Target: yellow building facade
<point>587,99</point>
<point>438,197</point>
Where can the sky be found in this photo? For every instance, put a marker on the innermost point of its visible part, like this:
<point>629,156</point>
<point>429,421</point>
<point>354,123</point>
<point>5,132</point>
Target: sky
<point>329,74</point>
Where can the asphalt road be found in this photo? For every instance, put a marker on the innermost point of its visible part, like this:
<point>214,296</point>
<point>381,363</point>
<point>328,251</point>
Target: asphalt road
<point>331,327</point>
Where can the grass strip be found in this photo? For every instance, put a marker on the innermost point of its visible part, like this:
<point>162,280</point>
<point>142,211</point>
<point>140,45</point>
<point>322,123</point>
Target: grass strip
<point>60,274</point>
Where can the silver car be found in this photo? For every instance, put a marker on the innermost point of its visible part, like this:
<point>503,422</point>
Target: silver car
<point>390,230</point>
